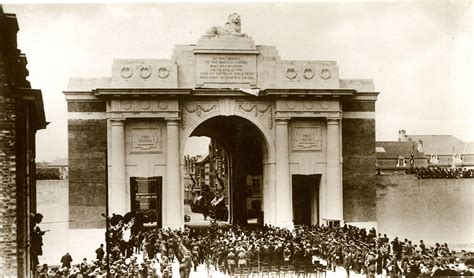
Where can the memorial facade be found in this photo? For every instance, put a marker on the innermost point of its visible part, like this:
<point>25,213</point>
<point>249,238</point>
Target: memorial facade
<point>308,133</point>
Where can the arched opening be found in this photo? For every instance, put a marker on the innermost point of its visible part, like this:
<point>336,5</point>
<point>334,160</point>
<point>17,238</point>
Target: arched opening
<point>231,173</point>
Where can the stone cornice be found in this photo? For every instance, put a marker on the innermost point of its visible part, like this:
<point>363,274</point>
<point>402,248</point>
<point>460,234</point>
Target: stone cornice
<point>35,96</point>
<point>226,51</point>
<point>365,96</point>
<point>78,96</point>
<point>140,92</point>
<point>308,114</point>
<point>309,92</point>
<point>107,93</point>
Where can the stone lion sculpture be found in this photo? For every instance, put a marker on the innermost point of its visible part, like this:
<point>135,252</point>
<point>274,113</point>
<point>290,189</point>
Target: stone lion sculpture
<point>231,28</point>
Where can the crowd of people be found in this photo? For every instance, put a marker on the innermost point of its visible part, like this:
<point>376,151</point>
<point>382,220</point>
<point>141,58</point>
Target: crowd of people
<point>255,249</point>
<point>442,173</point>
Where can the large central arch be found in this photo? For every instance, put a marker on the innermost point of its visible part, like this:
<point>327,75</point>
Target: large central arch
<point>239,134</point>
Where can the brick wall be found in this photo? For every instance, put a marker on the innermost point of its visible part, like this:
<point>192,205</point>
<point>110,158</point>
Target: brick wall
<point>23,181</point>
<point>87,173</point>
<point>8,200</point>
<point>86,106</point>
<point>21,115</point>
<point>358,106</point>
<point>435,210</point>
<point>358,148</point>
<point>8,245</point>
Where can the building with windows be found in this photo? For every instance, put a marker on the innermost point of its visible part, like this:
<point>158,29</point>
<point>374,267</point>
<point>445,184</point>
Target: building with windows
<point>445,151</point>
<point>208,173</point>
<point>21,115</point>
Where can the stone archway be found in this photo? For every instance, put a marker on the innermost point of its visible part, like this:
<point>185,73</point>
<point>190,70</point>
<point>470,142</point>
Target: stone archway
<point>252,135</point>
<point>260,114</point>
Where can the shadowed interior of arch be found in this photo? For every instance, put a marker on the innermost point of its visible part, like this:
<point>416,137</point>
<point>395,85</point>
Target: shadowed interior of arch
<point>226,184</point>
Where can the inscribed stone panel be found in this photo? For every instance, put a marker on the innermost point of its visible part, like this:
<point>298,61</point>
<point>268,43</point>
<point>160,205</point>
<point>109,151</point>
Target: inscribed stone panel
<point>146,140</point>
<point>307,138</point>
<point>226,69</point>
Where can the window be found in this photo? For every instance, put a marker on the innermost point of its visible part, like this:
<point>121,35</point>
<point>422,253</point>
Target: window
<point>401,162</point>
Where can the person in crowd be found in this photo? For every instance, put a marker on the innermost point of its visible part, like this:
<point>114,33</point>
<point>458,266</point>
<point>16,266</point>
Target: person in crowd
<point>66,261</point>
<point>100,252</point>
<point>441,173</point>
<point>36,240</point>
<point>43,271</point>
<point>231,261</point>
<point>305,248</point>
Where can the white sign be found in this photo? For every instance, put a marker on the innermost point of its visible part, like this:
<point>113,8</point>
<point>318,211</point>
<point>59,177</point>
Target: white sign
<point>226,69</point>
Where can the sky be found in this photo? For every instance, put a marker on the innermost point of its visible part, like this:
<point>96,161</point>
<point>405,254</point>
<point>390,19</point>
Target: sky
<point>418,53</point>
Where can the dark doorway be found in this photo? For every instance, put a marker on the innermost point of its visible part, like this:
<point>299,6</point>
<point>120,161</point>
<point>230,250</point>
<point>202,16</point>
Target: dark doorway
<point>146,196</point>
<point>305,198</point>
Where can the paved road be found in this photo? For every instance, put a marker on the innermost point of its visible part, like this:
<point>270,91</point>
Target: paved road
<point>197,219</point>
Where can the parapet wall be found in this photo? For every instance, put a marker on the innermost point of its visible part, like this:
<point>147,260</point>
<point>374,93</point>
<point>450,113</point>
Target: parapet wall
<point>435,210</point>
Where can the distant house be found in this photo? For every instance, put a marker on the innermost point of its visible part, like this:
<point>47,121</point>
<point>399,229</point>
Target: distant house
<point>443,150</point>
<point>398,154</point>
<point>206,172</point>
<point>424,151</point>
<point>54,170</point>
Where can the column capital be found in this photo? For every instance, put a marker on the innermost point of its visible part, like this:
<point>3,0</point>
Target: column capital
<point>282,120</point>
<point>117,122</point>
<point>333,121</point>
<point>172,120</point>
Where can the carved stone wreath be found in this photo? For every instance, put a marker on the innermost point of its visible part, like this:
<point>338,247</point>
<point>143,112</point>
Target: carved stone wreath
<point>308,73</point>
<point>291,73</point>
<point>126,72</point>
<point>198,109</point>
<point>325,74</point>
<point>258,108</point>
<point>163,72</point>
<point>145,72</point>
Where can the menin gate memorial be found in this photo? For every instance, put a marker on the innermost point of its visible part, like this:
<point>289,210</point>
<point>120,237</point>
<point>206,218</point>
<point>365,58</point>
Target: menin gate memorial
<point>308,133</point>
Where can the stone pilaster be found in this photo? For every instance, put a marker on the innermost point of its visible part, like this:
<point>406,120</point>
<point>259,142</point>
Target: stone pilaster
<point>284,210</point>
<point>334,201</point>
<point>173,201</point>
<point>118,197</point>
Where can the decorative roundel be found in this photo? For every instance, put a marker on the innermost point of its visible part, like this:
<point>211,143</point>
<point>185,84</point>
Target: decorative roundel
<point>163,105</point>
<point>126,105</point>
<point>126,72</point>
<point>308,73</point>
<point>324,104</point>
<point>145,72</point>
<point>291,73</point>
<point>291,104</point>
<point>325,74</point>
<point>145,105</point>
<point>308,104</point>
<point>163,72</point>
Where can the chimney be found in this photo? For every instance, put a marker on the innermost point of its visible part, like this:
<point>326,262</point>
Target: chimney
<point>402,137</point>
<point>420,145</point>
